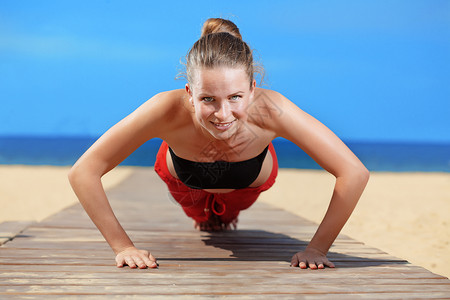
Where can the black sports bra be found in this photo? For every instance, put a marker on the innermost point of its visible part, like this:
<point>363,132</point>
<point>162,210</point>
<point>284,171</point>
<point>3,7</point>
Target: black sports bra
<point>218,174</point>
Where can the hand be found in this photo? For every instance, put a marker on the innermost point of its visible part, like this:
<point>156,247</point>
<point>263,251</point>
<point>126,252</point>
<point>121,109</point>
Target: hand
<point>311,258</point>
<point>134,258</point>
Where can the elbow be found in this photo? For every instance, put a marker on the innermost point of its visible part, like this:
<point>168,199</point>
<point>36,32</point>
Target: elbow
<point>83,173</point>
<point>76,174</point>
<point>364,173</point>
<point>357,173</point>
<point>73,175</point>
<point>361,174</point>
<point>366,177</point>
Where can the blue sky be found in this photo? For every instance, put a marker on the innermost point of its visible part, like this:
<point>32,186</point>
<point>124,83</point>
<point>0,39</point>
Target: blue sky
<point>369,70</point>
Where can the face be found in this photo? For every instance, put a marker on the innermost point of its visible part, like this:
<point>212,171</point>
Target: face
<point>220,97</point>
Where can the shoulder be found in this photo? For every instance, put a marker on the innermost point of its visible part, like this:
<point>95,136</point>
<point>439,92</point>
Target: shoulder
<point>162,113</point>
<point>268,108</point>
<point>165,105</point>
<point>267,98</point>
<point>272,100</point>
<point>269,103</point>
<point>282,116</point>
<point>167,100</point>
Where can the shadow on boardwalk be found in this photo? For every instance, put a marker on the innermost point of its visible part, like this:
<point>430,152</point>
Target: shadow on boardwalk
<point>261,245</point>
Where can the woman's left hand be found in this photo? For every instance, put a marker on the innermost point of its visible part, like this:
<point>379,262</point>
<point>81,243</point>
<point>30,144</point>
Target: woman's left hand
<point>311,258</point>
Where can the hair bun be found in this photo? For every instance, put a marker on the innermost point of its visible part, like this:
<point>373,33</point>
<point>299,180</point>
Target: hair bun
<point>214,25</point>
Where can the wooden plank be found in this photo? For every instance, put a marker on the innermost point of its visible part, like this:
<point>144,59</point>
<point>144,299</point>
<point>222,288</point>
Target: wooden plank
<point>217,268</point>
<point>236,288</point>
<point>337,296</point>
<point>10,229</point>
<point>167,274</point>
<point>202,278</point>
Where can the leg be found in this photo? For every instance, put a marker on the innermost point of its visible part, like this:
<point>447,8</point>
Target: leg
<point>243,198</point>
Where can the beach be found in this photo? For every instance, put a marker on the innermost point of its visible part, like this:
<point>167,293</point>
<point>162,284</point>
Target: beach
<point>404,214</point>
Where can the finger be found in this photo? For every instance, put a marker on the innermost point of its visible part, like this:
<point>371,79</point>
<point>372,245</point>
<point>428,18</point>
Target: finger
<point>130,262</point>
<point>294,261</point>
<point>152,261</point>
<point>319,264</point>
<point>302,265</point>
<point>148,262</point>
<point>119,262</point>
<point>329,264</point>
<point>140,263</point>
<point>152,258</point>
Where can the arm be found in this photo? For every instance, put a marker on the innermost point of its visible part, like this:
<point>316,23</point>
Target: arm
<point>332,155</point>
<point>105,154</point>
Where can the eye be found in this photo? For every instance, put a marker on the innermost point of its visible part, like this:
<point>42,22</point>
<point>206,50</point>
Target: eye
<point>236,97</point>
<point>207,99</point>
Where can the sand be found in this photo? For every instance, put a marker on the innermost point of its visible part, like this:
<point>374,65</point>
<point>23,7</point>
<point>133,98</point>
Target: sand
<point>32,193</point>
<point>404,214</point>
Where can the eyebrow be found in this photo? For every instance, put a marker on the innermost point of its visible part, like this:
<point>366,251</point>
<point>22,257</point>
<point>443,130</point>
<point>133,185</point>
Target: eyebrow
<point>209,95</point>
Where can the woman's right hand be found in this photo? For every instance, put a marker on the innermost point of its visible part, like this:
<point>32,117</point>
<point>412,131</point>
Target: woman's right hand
<point>135,258</point>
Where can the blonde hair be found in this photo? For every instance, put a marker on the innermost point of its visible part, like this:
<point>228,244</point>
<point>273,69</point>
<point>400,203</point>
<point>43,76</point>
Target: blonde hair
<point>220,45</point>
<point>214,25</point>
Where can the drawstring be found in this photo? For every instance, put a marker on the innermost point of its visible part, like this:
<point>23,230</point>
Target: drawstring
<point>218,200</point>
<point>211,205</point>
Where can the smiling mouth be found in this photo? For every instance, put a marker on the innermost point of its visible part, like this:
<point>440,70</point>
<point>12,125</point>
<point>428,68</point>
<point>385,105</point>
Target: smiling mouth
<point>223,125</point>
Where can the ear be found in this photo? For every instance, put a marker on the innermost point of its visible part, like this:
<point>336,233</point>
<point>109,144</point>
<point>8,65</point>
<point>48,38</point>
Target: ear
<point>189,91</point>
<point>252,88</point>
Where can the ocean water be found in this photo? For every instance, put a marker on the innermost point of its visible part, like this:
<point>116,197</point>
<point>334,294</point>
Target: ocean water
<point>381,156</point>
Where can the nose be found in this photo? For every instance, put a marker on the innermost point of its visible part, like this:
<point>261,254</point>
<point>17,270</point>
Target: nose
<point>223,112</point>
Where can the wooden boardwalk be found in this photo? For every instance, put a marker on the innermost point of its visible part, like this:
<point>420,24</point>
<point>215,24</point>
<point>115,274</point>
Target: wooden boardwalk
<point>65,257</point>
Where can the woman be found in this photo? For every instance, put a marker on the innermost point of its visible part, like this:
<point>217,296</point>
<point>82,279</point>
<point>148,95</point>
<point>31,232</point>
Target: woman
<point>216,156</point>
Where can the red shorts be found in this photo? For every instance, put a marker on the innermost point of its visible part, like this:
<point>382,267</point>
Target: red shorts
<point>199,204</point>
